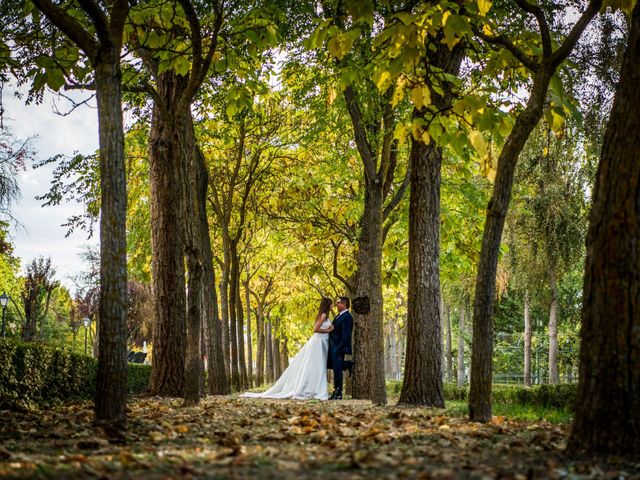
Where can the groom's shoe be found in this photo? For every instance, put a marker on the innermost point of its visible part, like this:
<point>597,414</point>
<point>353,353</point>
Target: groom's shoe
<point>336,395</point>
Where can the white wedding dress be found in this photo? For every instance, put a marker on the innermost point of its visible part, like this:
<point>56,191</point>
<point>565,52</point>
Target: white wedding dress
<point>306,376</point>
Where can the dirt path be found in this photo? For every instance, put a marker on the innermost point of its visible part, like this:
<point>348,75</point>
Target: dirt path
<point>227,437</point>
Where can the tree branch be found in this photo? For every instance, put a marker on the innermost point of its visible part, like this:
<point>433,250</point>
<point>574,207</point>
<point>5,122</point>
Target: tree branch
<point>565,49</point>
<point>398,196</point>
<point>71,27</point>
<point>99,19</point>
<point>336,249</point>
<point>364,148</point>
<point>504,42</point>
<point>545,35</point>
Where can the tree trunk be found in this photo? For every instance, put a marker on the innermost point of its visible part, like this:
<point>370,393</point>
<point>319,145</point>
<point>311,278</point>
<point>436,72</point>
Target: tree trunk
<point>443,329</point>
<point>422,384</point>
<point>168,272</point>
<point>395,359</point>
<point>284,354</point>
<point>527,341</point>
<point>261,344</point>
<point>218,381</point>
<point>553,326</point>
<point>277,363</point>
<point>269,351</point>
<point>460,372</point>
<point>482,344</point>
<point>193,189</point>
<point>233,323</point>
<point>111,381</point>
<point>242,361</point>
<point>368,340</point>
<point>387,350</point>
<point>449,347</point>
<point>247,300</point>
<point>607,418</point>
<point>224,307</point>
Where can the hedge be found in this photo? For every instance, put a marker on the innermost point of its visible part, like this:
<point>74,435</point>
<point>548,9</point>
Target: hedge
<point>551,396</point>
<point>34,375</point>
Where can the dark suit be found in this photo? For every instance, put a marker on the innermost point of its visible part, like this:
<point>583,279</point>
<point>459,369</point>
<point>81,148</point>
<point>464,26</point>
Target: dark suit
<point>339,345</point>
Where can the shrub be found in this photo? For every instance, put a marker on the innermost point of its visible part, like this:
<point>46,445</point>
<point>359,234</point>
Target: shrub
<point>551,396</point>
<point>33,375</point>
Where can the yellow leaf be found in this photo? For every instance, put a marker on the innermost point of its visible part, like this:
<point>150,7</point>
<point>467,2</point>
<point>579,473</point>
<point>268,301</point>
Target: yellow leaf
<point>382,79</point>
<point>486,28</point>
<point>419,132</point>
<point>445,15</point>
<point>479,143</point>
<point>400,132</point>
<point>331,97</point>
<point>483,7</point>
<point>421,96</point>
<point>398,93</point>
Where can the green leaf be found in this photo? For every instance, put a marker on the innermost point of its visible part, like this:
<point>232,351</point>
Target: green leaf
<point>55,79</point>
<point>455,27</point>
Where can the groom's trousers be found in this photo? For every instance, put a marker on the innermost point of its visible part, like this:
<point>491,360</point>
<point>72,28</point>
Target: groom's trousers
<point>337,360</point>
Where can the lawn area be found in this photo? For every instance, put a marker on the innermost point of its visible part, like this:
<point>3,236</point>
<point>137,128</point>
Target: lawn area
<point>229,437</point>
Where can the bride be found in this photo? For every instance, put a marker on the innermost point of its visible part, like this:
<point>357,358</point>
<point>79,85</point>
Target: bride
<point>306,375</point>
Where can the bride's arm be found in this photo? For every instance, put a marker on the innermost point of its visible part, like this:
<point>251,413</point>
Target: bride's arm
<point>319,321</point>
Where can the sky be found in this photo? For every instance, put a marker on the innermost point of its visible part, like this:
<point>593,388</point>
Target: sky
<point>41,232</point>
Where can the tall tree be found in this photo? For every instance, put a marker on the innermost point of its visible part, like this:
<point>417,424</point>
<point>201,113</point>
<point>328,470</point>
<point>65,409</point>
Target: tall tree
<point>178,175</point>
<point>36,296</point>
<point>373,119</point>
<point>99,35</point>
<point>608,408</point>
<point>542,69</point>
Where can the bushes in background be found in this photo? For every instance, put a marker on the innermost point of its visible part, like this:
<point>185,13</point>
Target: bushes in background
<point>551,396</point>
<point>39,375</point>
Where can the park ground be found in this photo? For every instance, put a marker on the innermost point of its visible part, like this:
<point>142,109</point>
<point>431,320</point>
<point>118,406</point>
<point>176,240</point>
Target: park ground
<point>229,437</point>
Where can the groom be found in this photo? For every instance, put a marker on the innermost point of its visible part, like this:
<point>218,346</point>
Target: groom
<point>340,345</point>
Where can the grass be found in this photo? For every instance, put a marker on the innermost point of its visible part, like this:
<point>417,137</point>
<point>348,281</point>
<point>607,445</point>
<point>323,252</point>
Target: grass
<point>529,413</point>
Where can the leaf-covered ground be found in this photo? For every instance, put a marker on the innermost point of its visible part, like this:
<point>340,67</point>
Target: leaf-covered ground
<point>228,437</point>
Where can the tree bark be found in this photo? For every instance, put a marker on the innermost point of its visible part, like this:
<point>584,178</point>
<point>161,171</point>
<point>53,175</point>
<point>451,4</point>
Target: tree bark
<point>368,340</point>
<point>236,379</point>
<point>218,383</point>
<point>269,351</point>
<point>423,377</point>
<point>284,354</point>
<point>461,326</point>
<point>111,382</point>
<point>553,326</point>
<point>260,360</point>
<point>247,300</point>
<point>242,361</point>
<point>527,341</point>
<point>607,418</point>
<point>393,349</point>
<point>167,243</point>
<point>224,310</point>
<point>422,384</point>
<point>449,346</point>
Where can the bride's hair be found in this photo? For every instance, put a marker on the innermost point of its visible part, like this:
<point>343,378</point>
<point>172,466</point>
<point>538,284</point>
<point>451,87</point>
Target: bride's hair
<point>325,305</point>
